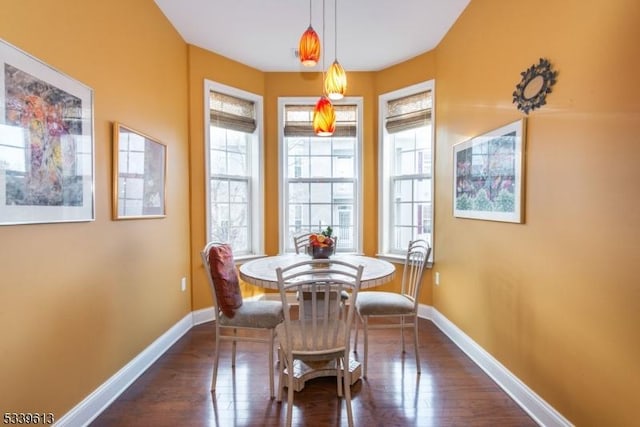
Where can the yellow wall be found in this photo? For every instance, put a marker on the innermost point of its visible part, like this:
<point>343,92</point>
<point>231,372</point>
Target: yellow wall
<point>553,299</point>
<point>556,300</point>
<point>80,300</point>
<point>210,66</point>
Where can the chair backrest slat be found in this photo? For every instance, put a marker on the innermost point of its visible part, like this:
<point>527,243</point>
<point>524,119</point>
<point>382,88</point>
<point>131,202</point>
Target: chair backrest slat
<point>320,324</point>
<point>417,256</point>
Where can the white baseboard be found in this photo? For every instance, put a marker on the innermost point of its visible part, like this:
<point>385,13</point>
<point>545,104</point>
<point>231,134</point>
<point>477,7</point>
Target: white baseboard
<point>87,410</point>
<point>543,413</point>
<point>203,316</point>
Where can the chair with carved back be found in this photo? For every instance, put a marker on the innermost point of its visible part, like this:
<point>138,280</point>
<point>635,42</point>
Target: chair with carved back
<point>320,332</point>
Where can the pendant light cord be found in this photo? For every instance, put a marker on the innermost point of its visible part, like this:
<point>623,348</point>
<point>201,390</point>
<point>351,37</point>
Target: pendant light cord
<point>324,92</point>
<point>335,23</point>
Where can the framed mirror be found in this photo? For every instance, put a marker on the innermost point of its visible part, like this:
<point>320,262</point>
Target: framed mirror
<point>139,175</point>
<point>536,83</point>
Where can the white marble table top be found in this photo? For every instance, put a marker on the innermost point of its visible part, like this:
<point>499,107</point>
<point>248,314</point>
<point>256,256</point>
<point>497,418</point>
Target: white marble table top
<point>262,271</point>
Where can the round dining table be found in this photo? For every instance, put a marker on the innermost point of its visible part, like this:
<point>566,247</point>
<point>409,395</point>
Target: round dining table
<point>262,272</point>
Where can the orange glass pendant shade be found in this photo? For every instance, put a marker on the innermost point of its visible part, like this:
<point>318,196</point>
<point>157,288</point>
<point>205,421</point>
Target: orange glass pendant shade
<point>335,84</point>
<point>309,48</point>
<point>324,117</point>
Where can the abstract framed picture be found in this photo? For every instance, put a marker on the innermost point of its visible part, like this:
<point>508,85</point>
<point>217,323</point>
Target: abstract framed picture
<point>46,143</point>
<point>139,175</point>
<point>489,175</point>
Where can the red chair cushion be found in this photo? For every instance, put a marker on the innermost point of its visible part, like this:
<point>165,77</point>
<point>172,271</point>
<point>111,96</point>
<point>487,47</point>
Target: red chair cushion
<point>225,279</point>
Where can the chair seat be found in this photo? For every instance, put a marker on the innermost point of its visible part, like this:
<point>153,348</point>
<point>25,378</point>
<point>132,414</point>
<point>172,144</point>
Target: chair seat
<point>383,303</point>
<point>255,314</point>
<point>301,338</point>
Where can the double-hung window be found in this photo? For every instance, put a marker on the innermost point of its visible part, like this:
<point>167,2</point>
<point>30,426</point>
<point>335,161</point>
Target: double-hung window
<point>234,168</point>
<point>406,167</point>
<point>320,176</point>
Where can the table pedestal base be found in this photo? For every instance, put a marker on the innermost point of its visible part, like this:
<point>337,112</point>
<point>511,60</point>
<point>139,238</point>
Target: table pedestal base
<point>303,372</point>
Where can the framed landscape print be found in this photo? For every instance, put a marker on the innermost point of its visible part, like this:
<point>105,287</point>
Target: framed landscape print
<point>46,143</point>
<point>489,175</point>
<point>139,177</point>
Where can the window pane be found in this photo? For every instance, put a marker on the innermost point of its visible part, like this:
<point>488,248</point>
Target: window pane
<point>422,190</point>
<point>238,214</point>
<point>298,167</point>
<point>320,146</point>
<point>320,193</point>
<point>299,217</point>
<point>239,238</point>
<point>298,193</point>
<point>298,146</point>
<point>320,167</point>
<point>239,192</point>
<point>343,167</point>
<point>219,190</point>
<point>403,190</point>
<point>218,162</point>
<point>320,216</point>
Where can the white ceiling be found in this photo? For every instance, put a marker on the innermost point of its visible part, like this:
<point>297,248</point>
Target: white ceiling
<point>264,34</point>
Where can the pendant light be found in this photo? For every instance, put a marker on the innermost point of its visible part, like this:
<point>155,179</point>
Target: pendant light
<point>335,84</point>
<point>309,45</point>
<point>324,115</point>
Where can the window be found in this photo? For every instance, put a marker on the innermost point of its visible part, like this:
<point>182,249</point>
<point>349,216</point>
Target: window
<point>320,176</point>
<point>406,168</point>
<point>234,168</point>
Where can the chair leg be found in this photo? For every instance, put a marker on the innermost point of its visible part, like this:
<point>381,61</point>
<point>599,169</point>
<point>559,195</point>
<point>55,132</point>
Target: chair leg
<point>339,370</point>
<point>415,343</point>
<point>402,332</point>
<point>216,358</point>
<point>290,392</point>
<point>280,374</point>
<point>347,390</point>
<point>355,340</point>
<point>365,321</point>
<point>233,348</point>
<point>272,339</point>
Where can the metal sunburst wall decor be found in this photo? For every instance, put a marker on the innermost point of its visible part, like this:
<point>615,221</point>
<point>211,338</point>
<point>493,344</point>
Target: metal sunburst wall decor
<point>536,83</point>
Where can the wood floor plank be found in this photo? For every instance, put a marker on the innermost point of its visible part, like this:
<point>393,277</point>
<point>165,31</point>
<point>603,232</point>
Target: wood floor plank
<point>451,391</point>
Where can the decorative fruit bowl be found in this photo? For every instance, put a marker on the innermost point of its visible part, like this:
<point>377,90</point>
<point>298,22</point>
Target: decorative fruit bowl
<point>321,252</point>
<point>321,245</point>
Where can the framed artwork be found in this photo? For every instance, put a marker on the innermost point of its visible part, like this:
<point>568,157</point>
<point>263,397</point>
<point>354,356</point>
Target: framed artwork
<point>489,175</point>
<point>46,143</point>
<point>139,175</point>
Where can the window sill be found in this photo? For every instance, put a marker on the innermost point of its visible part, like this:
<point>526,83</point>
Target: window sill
<point>398,259</point>
<point>248,257</point>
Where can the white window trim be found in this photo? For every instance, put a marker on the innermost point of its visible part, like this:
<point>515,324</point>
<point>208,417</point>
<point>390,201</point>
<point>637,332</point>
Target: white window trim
<point>282,101</point>
<point>384,165</point>
<point>257,164</point>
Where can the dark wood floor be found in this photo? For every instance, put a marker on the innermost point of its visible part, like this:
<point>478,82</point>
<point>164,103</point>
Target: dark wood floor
<point>451,391</point>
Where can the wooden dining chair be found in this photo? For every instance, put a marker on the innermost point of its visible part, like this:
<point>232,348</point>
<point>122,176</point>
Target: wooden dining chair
<point>403,305</point>
<point>321,332</point>
<point>232,313</point>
